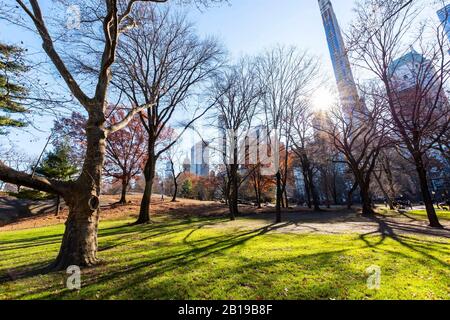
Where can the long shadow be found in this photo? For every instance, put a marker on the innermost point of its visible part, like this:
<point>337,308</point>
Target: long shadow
<point>197,250</point>
<point>125,231</point>
<point>386,230</point>
<point>165,229</point>
<point>184,257</point>
<point>404,214</point>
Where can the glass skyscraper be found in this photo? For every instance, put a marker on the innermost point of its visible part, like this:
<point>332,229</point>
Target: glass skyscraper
<point>444,16</point>
<point>348,92</point>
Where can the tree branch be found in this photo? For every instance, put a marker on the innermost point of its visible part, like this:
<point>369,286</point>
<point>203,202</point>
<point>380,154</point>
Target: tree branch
<point>10,175</point>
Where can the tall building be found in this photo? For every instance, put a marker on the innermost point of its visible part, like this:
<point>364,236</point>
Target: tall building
<point>348,92</point>
<point>186,164</point>
<point>413,76</point>
<point>222,137</point>
<point>200,159</point>
<point>444,16</point>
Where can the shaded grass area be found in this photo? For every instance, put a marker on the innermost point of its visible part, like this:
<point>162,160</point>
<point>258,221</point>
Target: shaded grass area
<point>194,259</point>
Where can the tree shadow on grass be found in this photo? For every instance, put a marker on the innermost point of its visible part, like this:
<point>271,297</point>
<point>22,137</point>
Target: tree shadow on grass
<point>121,232</point>
<point>163,230</point>
<point>388,230</point>
<point>175,259</point>
<point>143,263</point>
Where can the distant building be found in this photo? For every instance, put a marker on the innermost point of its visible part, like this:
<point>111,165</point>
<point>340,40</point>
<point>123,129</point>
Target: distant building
<point>413,74</point>
<point>200,159</point>
<point>186,164</point>
<point>444,16</point>
<point>348,92</point>
<point>222,139</point>
<point>410,73</point>
<point>168,170</point>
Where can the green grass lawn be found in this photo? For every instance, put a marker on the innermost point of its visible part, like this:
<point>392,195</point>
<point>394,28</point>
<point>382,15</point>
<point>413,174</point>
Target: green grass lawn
<point>421,214</point>
<point>442,214</point>
<point>178,259</point>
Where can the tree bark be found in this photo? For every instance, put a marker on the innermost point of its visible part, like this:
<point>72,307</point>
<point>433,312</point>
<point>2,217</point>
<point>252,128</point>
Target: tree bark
<point>149,174</point>
<point>427,199</point>
<point>279,196</point>
<point>350,195</point>
<point>257,192</point>
<point>307,190</point>
<point>234,194</point>
<point>123,196</point>
<point>58,204</point>
<point>79,245</point>
<point>367,209</point>
<point>175,190</point>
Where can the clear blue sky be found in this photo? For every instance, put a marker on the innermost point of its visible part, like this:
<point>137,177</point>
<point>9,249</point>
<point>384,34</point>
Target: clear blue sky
<point>244,26</point>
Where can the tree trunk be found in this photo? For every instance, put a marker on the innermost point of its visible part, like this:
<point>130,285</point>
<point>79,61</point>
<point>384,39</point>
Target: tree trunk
<point>58,204</point>
<point>334,191</point>
<point>350,195</point>
<point>257,193</point>
<point>313,191</point>
<point>79,244</point>
<point>233,203</point>
<point>307,191</point>
<point>286,200</point>
<point>232,211</point>
<point>278,200</point>
<point>175,190</point>
<point>427,199</point>
<point>149,174</point>
<point>123,197</point>
<point>367,209</point>
<point>383,190</point>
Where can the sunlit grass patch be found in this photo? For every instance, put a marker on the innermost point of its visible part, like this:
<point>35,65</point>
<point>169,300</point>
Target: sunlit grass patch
<point>201,259</point>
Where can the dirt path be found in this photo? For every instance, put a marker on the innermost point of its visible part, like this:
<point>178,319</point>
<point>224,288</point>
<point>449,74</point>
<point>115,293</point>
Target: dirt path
<point>300,220</point>
<point>339,222</point>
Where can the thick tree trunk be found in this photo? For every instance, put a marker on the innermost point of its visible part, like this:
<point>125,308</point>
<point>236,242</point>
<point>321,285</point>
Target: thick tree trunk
<point>123,196</point>
<point>427,199</point>
<point>149,174</point>
<point>79,245</point>
<point>367,209</point>
<point>279,196</point>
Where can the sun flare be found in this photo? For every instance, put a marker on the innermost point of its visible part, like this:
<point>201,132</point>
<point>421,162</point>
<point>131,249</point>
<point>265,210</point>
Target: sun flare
<point>323,99</point>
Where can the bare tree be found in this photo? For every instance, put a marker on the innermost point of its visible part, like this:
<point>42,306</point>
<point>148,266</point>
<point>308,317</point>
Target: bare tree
<point>161,65</point>
<point>79,243</point>
<point>413,83</point>
<point>125,153</point>
<point>359,134</point>
<point>305,146</point>
<point>174,158</point>
<point>384,175</point>
<point>286,75</point>
<point>237,94</point>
